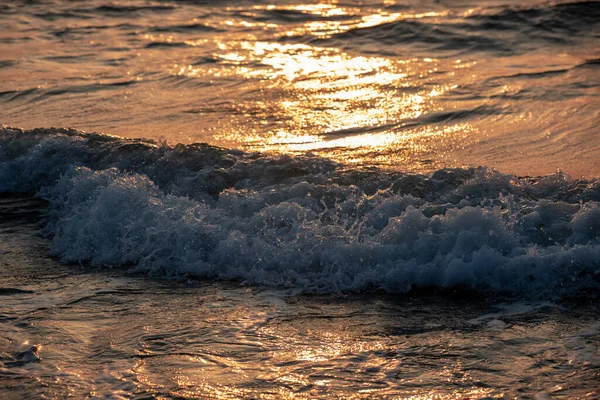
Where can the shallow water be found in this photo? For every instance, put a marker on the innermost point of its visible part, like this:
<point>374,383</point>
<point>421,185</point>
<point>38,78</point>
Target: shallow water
<point>304,222</point>
<point>108,334</point>
<point>408,85</point>
<point>377,222</point>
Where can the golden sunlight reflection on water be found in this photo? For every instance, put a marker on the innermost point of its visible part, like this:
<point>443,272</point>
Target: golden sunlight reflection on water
<point>410,86</point>
<point>326,100</point>
<point>330,99</point>
<point>301,361</point>
<point>297,360</point>
<point>130,337</point>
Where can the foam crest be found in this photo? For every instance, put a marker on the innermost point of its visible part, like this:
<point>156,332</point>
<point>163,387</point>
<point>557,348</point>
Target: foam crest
<point>303,221</point>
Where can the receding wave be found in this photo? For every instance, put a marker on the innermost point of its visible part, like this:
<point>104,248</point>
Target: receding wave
<point>304,221</point>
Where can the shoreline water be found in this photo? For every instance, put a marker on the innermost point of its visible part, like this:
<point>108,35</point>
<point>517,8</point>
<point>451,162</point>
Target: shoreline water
<point>405,203</point>
<point>304,221</point>
<point>420,85</point>
<point>95,332</point>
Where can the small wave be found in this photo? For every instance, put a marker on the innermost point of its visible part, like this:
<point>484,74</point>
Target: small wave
<point>443,37</point>
<point>64,59</point>
<point>8,63</point>
<point>569,17</point>
<point>90,29</point>
<point>32,95</point>
<point>162,44</point>
<point>455,115</point>
<point>432,118</point>
<point>541,74</point>
<point>13,291</point>
<point>304,221</point>
<point>12,95</point>
<point>15,40</point>
<point>290,15</point>
<point>187,28</point>
<point>112,10</point>
<point>507,31</point>
<point>547,73</point>
<point>8,9</point>
<point>59,15</point>
<point>128,9</point>
<point>589,63</point>
<point>94,87</point>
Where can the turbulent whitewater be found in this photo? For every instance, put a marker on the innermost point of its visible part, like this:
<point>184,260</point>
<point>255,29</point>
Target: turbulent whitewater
<point>304,222</point>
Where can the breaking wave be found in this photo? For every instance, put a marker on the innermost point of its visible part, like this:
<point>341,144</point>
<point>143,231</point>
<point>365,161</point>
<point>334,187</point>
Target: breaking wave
<point>304,221</point>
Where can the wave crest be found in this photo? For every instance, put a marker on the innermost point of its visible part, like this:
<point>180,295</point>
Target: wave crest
<point>304,221</point>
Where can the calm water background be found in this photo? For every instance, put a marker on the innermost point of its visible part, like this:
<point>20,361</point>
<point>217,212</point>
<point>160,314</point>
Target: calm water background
<point>293,276</point>
<point>414,85</point>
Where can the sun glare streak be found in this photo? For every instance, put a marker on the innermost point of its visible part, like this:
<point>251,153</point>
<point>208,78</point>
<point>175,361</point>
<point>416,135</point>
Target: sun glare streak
<point>384,18</point>
<point>329,98</point>
<point>322,98</point>
<point>330,27</point>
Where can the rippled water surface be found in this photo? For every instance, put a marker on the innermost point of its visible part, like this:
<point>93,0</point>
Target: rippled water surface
<point>407,84</point>
<point>67,332</point>
<point>375,211</point>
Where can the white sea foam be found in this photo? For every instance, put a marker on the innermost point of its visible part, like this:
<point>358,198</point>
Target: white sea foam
<point>304,221</point>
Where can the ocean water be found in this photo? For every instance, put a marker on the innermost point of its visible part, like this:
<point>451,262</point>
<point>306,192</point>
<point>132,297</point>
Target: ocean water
<point>374,199</point>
